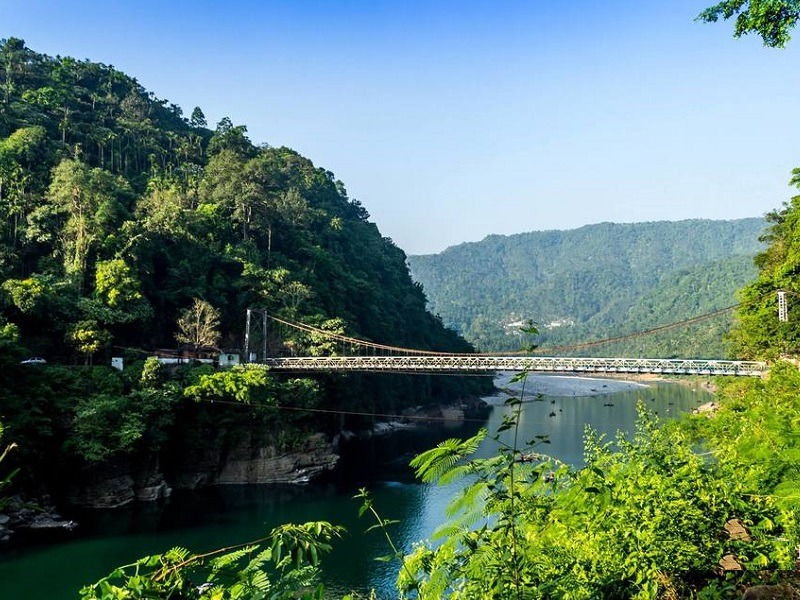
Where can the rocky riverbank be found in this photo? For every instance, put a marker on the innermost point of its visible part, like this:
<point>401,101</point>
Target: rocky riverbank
<point>446,415</point>
<point>21,514</point>
<point>112,485</point>
<point>120,483</point>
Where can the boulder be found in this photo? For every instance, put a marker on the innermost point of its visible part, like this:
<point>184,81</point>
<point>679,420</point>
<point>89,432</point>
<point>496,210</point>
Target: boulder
<point>771,592</point>
<point>103,492</point>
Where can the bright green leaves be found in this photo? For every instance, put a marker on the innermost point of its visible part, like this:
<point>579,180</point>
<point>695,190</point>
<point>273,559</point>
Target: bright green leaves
<point>770,19</point>
<point>116,283</point>
<point>104,425</point>
<point>29,294</point>
<point>107,422</point>
<point>281,566</point>
<point>644,519</point>
<point>434,464</point>
<point>245,384</point>
<point>42,297</point>
<point>756,437</point>
<point>87,337</point>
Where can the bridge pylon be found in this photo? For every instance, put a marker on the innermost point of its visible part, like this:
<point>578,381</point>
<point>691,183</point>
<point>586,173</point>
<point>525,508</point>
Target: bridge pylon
<point>253,316</point>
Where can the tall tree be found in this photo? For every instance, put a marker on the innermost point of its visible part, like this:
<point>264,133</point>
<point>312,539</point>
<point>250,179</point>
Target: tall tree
<point>22,161</point>
<point>198,325</point>
<point>198,119</point>
<point>86,207</point>
<point>232,137</point>
<point>14,60</point>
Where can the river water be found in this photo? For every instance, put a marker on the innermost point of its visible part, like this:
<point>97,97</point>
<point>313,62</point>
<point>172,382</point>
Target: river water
<point>558,407</point>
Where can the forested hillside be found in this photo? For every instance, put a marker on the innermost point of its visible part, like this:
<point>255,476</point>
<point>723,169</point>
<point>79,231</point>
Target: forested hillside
<point>758,332</point>
<point>124,222</point>
<point>596,282</point>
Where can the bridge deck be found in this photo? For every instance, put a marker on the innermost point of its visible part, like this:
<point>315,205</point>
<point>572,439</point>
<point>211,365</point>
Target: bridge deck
<point>456,363</point>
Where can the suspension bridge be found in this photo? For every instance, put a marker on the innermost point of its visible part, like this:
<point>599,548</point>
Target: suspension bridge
<point>348,354</point>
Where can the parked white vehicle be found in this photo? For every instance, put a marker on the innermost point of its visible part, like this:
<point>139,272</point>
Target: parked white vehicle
<point>34,360</point>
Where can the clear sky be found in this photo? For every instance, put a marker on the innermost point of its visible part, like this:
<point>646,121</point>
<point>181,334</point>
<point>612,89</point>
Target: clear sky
<point>453,120</point>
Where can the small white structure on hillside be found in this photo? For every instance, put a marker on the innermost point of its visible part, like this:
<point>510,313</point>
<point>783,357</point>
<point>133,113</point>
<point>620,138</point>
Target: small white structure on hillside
<point>226,359</point>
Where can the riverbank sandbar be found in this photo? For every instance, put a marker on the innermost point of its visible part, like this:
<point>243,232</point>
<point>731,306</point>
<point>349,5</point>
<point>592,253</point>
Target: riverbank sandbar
<point>561,386</point>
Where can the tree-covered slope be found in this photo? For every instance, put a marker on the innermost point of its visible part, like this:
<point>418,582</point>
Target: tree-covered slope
<point>118,211</point>
<point>589,283</point>
<point>759,333</point>
<point>119,217</point>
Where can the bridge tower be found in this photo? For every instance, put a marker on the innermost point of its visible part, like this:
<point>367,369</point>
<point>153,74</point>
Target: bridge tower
<point>783,309</point>
<point>251,328</point>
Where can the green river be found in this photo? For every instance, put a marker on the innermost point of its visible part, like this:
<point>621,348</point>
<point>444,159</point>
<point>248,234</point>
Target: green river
<point>216,517</point>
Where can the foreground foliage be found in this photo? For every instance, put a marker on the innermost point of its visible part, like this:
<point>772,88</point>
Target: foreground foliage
<point>281,566</point>
<point>772,20</point>
<point>647,517</point>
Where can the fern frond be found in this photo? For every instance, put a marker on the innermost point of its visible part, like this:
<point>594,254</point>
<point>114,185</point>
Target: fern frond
<point>226,560</point>
<point>433,464</point>
<point>260,582</point>
<point>455,474</point>
<point>260,559</point>
<point>469,500</point>
<point>176,554</point>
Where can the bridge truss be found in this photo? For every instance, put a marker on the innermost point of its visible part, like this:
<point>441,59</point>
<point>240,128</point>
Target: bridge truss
<point>385,358</point>
<point>443,363</point>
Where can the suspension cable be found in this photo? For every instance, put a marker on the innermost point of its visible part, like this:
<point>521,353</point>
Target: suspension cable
<point>564,348</point>
<point>569,347</point>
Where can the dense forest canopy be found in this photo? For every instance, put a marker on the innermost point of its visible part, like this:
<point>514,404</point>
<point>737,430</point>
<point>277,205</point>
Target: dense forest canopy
<point>129,227</point>
<point>595,282</point>
<point>119,211</point>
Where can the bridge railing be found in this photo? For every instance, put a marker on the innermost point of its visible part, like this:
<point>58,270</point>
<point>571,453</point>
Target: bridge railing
<point>462,363</point>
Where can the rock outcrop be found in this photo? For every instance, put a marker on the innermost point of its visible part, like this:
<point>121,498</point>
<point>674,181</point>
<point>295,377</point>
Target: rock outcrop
<point>116,484</point>
<point>20,514</point>
<point>449,414</point>
<point>249,463</point>
<point>772,592</point>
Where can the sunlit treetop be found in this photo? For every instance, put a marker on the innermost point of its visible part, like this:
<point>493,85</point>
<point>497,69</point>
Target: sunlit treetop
<point>771,19</point>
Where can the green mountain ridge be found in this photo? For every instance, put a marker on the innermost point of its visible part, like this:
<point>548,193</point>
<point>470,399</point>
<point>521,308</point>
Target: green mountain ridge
<point>593,282</point>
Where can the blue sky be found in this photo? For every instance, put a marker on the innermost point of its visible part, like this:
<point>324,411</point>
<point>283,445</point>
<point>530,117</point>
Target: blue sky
<point>451,121</point>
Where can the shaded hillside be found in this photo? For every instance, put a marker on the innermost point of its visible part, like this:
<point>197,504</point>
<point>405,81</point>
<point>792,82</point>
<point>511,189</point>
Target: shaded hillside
<point>593,282</point>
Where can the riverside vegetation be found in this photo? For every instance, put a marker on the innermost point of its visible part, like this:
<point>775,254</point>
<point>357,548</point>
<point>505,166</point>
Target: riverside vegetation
<point>698,508</point>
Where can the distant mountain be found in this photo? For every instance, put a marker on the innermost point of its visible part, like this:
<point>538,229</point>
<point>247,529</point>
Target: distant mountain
<point>595,282</point>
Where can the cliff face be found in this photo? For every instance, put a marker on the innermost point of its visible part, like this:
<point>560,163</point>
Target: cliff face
<point>116,484</point>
